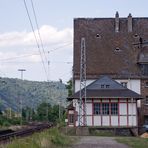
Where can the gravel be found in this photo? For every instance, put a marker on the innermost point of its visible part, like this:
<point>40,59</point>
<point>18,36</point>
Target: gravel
<point>98,142</point>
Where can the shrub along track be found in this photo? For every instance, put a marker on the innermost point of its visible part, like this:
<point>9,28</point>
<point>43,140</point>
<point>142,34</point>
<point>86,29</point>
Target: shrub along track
<point>5,136</point>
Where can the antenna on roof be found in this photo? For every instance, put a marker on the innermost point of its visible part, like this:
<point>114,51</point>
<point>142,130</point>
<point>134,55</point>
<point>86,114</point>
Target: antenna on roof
<point>82,102</point>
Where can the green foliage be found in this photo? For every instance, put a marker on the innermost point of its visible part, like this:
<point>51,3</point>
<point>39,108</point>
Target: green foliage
<point>53,113</point>
<point>14,121</point>
<point>134,142</point>
<point>50,138</point>
<point>69,87</point>
<point>58,138</point>
<point>44,112</point>
<point>4,121</point>
<point>33,95</point>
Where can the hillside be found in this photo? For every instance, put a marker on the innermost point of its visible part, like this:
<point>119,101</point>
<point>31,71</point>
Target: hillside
<point>32,93</point>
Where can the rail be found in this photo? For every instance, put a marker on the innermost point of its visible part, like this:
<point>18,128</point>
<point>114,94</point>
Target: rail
<point>24,132</point>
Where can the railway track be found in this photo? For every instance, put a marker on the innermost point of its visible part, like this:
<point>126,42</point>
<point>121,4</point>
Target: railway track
<point>6,136</point>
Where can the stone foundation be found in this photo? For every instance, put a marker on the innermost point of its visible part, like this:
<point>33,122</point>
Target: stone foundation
<point>115,131</point>
<point>100,131</point>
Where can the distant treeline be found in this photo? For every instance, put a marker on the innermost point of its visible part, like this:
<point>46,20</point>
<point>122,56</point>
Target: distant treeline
<point>32,93</point>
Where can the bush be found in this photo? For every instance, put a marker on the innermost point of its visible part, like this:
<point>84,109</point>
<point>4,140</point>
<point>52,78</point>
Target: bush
<point>50,138</point>
<point>58,138</point>
<point>15,121</point>
<point>6,123</point>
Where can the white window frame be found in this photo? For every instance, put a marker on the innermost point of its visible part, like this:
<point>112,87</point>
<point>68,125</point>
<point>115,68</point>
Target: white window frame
<point>105,108</point>
<point>71,118</point>
<point>114,108</point>
<point>97,109</point>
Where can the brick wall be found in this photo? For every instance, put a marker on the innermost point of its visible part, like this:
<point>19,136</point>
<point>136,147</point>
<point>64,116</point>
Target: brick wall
<point>144,108</point>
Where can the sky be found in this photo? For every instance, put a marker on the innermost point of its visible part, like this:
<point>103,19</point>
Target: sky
<point>19,49</point>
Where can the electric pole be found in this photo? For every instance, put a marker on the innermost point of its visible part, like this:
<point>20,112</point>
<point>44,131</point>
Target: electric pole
<point>21,101</point>
<point>82,101</point>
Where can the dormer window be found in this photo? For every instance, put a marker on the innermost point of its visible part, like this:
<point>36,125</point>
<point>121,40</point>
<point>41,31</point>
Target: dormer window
<point>107,86</point>
<point>124,84</point>
<point>144,69</point>
<point>102,85</point>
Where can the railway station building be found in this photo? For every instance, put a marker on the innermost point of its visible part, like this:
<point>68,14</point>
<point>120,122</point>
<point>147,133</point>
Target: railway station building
<point>116,71</point>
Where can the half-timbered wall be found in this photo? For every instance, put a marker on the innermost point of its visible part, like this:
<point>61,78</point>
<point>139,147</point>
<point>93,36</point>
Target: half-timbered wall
<point>124,115</point>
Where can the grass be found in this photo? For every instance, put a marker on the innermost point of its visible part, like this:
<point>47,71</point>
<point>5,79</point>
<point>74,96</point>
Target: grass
<point>133,142</point>
<point>58,138</point>
<point>105,133</point>
<point>50,138</point>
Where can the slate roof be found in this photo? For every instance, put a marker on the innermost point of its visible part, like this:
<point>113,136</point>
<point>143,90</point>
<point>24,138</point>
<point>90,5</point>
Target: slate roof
<point>143,56</point>
<point>105,87</point>
<point>101,42</point>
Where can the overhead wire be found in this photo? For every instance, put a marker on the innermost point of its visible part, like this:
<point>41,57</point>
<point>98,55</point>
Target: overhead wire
<point>38,29</point>
<point>38,45</point>
<point>60,47</point>
<point>43,52</point>
<point>28,55</point>
<point>18,57</point>
<point>39,39</point>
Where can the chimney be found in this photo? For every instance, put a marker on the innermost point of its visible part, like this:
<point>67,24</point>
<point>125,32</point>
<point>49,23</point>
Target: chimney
<point>129,23</point>
<point>117,22</point>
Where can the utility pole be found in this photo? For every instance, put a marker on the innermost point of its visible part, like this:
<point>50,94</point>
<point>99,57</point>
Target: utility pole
<point>49,92</point>
<point>82,101</point>
<point>59,111</point>
<point>21,101</point>
<point>22,70</point>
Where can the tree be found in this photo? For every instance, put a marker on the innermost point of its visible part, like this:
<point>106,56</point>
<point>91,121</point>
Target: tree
<point>53,112</point>
<point>69,87</point>
<point>27,113</point>
<point>42,111</point>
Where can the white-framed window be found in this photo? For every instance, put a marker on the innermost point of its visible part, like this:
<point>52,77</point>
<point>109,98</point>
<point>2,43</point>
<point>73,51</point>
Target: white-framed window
<point>96,108</point>
<point>105,86</point>
<point>105,108</point>
<point>114,108</point>
<point>71,118</point>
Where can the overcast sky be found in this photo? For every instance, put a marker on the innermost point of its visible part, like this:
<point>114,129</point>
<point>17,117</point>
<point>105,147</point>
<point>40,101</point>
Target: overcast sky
<point>18,48</point>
